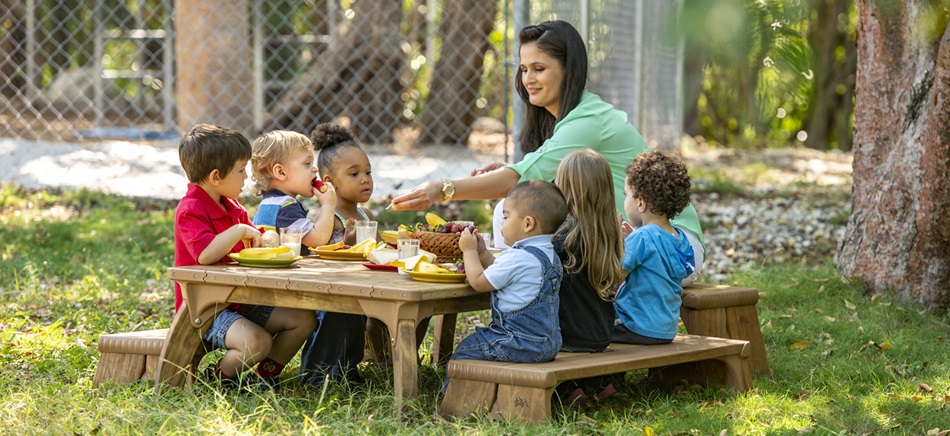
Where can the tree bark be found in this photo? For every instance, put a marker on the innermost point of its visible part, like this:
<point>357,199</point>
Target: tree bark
<point>213,64</point>
<point>898,236</point>
<point>450,108</point>
<point>358,77</point>
<point>12,48</point>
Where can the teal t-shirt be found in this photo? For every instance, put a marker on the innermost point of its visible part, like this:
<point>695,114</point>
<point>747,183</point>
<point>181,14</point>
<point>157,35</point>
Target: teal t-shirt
<point>595,124</point>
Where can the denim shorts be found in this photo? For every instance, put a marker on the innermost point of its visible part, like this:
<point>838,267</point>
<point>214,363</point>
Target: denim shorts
<point>219,328</point>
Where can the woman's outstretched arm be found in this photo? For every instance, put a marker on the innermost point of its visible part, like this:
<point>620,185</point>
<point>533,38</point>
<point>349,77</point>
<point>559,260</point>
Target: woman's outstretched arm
<point>488,186</point>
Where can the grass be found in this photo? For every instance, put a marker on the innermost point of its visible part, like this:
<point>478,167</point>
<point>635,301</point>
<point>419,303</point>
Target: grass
<point>78,264</point>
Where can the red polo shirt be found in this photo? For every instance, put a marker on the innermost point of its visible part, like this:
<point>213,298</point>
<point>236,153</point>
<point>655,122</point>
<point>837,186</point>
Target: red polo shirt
<point>198,219</point>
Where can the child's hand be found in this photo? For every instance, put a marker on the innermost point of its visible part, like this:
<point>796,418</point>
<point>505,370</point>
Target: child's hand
<point>480,241</point>
<point>328,198</point>
<point>349,237</point>
<point>468,241</point>
<point>251,237</point>
<point>625,229</point>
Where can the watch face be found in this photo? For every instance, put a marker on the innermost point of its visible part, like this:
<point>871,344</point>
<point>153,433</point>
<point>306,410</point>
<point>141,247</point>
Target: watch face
<point>448,189</point>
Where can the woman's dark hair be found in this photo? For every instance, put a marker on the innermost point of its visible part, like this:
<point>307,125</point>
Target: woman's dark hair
<point>329,139</point>
<point>560,40</point>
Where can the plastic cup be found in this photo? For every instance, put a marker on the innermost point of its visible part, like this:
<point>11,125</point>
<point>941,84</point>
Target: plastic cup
<point>487,238</point>
<point>291,238</point>
<point>365,230</point>
<point>407,248</point>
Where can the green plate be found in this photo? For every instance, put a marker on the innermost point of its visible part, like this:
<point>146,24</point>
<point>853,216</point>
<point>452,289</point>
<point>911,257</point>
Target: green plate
<point>264,263</point>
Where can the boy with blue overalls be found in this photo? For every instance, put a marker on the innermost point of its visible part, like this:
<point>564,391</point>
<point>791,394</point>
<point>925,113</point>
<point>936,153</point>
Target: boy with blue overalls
<point>523,280</point>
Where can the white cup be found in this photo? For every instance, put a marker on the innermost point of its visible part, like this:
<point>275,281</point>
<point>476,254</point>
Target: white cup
<point>291,238</point>
<point>407,248</point>
<point>365,230</point>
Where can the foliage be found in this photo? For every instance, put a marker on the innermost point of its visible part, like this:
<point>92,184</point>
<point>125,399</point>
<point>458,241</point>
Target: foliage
<point>78,264</point>
<point>758,74</point>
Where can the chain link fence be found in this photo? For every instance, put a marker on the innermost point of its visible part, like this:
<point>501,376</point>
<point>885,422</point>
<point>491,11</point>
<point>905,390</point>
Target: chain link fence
<point>425,84</point>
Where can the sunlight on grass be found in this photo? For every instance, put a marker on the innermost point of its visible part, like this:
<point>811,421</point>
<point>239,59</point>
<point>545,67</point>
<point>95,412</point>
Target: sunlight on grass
<point>842,361</point>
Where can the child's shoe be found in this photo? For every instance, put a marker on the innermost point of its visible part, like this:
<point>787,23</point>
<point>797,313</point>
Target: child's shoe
<point>606,392</point>
<point>577,396</point>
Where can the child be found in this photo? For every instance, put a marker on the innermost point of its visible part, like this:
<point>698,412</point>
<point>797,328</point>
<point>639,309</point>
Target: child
<point>523,280</point>
<point>336,346</point>
<point>282,167</point>
<point>344,164</point>
<point>590,248</point>
<point>209,224</point>
<point>657,255</point>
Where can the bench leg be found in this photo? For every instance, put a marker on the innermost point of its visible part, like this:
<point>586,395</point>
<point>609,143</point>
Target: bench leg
<point>120,368</point>
<point>738,372</point>
<point>464,398</point>
<point>522,403</point>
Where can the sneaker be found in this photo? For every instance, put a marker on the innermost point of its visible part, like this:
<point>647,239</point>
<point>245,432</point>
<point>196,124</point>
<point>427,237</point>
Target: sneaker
<point>577,396</point>
<point>606,392</point>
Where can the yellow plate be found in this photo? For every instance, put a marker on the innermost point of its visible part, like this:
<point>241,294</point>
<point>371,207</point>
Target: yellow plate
<point>264,263</point>
<point>339,254</point>
<point>435,277</point>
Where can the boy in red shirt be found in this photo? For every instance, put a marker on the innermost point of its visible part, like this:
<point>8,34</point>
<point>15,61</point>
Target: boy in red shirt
<point>209,224</point>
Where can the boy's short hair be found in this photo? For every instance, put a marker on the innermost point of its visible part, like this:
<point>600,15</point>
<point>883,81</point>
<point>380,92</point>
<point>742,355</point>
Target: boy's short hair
<point>273,147</point>
<point>662,180</point>
<point>206,148</point>
<point>541,200</point>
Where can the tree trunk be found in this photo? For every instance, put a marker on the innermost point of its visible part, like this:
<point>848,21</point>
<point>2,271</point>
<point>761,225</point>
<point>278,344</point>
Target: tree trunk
<point>358,76</point>
<point>830,73</point>
<point>450,108</point>
<point>898,236</point>
<point>12,48</point>
<point>213,64</point>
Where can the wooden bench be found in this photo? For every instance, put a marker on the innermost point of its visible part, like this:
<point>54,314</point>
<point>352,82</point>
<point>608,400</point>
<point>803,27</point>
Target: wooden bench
<point>522,391</point>
<point>128,357</point>
<point>131,356</point>
<point>725,312</point>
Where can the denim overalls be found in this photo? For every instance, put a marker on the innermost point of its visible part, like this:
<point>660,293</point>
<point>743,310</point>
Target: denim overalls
<point>530,334</point>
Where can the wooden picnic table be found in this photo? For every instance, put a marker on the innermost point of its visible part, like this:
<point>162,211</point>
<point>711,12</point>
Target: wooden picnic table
<point>318,284</point>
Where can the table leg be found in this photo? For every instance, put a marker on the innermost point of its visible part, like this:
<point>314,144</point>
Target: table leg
<point>181,346</point>
<point>443,338</point>
<point>405,362</point>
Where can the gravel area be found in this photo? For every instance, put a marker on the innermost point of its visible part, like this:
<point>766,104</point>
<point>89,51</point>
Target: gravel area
<point>793,206</point>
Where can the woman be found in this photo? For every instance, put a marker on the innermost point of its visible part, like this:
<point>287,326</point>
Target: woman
<point>560,117</point>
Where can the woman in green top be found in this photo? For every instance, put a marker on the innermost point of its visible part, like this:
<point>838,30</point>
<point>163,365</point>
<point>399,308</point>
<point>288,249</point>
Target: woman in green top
<point>561,117</point>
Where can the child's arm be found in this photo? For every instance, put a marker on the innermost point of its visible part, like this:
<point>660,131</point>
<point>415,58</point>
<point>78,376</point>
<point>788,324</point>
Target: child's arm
<point>474,270</point>
<point>323,225</point>
<point>222,244</point>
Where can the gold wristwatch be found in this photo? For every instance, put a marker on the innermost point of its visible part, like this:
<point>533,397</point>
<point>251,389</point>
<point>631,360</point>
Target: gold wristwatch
<point>448,189</point>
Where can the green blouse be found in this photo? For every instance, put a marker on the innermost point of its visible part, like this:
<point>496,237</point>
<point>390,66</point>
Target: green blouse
<point>596,125</point>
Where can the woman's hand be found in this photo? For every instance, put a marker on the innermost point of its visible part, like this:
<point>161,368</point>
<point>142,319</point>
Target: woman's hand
<point>420,197</point>
<point>488,168</point>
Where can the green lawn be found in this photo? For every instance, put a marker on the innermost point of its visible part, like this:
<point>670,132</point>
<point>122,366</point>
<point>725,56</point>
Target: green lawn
<point>78,264</point>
